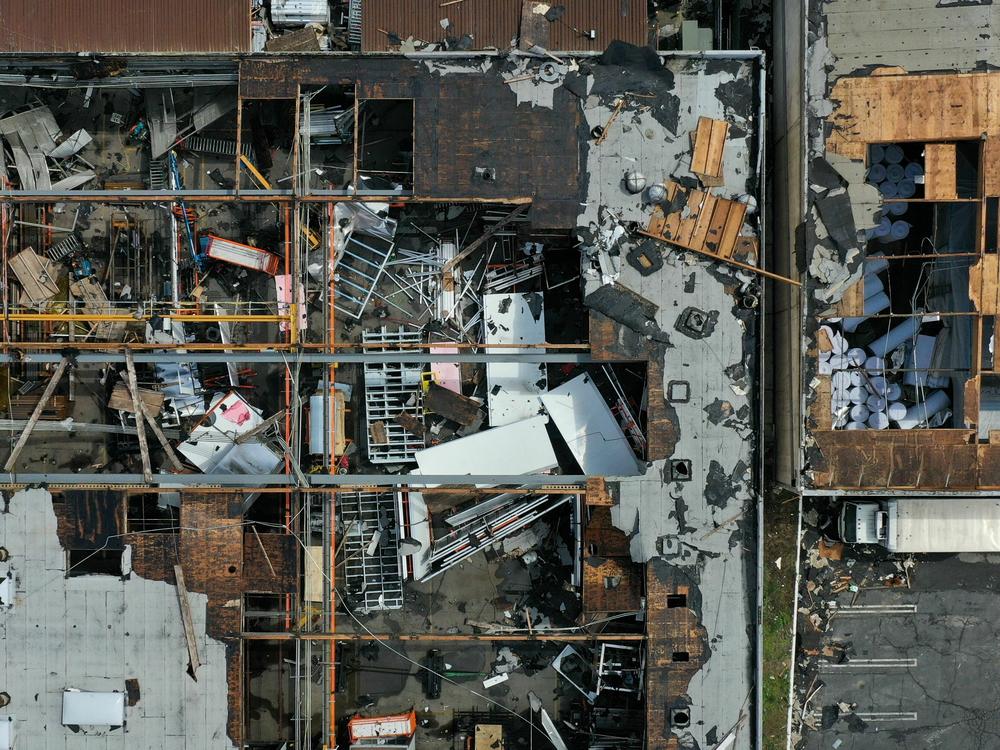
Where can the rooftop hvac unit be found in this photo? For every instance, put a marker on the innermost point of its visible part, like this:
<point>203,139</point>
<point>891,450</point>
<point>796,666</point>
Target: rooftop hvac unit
<point>288,13</point>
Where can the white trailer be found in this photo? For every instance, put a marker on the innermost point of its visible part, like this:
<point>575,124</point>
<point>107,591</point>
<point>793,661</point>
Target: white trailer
<point>923,524</point>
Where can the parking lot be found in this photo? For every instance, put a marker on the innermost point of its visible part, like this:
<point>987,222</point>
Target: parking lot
<point>894,651</point>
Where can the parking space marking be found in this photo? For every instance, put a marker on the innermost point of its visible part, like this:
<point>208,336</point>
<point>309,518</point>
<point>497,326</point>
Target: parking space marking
<point>886,716</point>
<point>871,664</point>
<point>877,609</point>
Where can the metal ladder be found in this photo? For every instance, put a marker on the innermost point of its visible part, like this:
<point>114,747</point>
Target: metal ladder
<point>199,144</point>
<point>158,174</point>
<point>65,247</point>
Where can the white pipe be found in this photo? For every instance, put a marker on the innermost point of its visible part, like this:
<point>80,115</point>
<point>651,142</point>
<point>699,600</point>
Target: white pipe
<point>856,426</point>
<point>858,394</point>
<point>893,392</point>
<point>882,346</point>
<point>876,403</point>
<point>856,356</point>
<point>873,285</point>
<point>919,413</point>
<point>875,264</point>
<point>875,364</point>
<point>872,306</point>
<point>877,385</point>
<point>859,413</point>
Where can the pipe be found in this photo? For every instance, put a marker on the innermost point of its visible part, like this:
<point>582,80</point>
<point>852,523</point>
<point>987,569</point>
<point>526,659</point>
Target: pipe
<point>872,306</point>
<point>882,346</point>
<point>282,357</point>
<point>920,413</point>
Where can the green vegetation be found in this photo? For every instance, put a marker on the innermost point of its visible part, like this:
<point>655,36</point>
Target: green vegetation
<point>780,524</point>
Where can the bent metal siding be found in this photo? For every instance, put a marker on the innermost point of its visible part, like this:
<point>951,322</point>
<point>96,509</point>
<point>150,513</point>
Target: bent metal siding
<point>110,26</point>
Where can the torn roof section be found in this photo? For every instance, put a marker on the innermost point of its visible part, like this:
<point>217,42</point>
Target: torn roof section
<point>119,634</point>
<point>900,247</point>
<point>694,320</point>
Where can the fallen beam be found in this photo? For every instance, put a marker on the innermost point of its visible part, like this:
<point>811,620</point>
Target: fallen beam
<point>459,637</point>
<point>133,386</point>
<point>37,413</point>
<point>194,661</point>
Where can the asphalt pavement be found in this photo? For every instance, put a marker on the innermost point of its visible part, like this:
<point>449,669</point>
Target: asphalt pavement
<point>895,651</point>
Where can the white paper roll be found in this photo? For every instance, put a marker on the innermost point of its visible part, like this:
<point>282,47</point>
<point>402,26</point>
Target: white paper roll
<point>875,364</point>
<point>878,420</point>
<point>896,411</point>
<point>921,412</point>
<point>884,345</point>
<point>875,403</point>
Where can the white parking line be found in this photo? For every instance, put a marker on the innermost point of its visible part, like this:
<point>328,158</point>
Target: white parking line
<point>877,609</point>
<point>887,716</point>
<point>871,664</point>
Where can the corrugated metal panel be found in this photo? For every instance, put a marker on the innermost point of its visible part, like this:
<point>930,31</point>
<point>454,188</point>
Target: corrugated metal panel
<point>125,26</point>
<point>495,23</point>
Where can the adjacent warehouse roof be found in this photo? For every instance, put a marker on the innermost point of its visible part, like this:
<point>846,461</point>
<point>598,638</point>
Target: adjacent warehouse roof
<point>125,26</point>
<point>496,23</point>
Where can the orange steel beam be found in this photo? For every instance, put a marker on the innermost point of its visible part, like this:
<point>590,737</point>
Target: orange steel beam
<point>444,637</point>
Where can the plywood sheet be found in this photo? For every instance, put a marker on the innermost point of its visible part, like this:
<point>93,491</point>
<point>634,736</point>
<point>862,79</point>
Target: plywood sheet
<point>121,400</point>
<point>940,177</point>
<point>898,108</point>
<point>984,284</point>
<point>698,220</point>
<point>37,276</point>
<point>991,167</point>
<point>709,147</point>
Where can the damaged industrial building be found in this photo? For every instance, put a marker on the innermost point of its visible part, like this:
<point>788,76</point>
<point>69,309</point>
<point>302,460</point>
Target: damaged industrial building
<point>377,375</point>
<point>890,210</point>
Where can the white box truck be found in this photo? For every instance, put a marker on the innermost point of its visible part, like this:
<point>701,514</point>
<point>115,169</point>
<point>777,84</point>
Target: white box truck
<point>923,524</point>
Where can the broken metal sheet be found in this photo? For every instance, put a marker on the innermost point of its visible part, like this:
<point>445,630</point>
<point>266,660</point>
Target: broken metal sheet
<point>31,135</point>
<point>72,145</point>
<point>367,218</point>
<point>24,167</point>
<point>212,445</point>
<point>591,431</point>
<point>162,118</point>
<point>36,128</point>
<point>72,182</point>
<point>208,110</point>
<point>513,387</point>
<point>518,448</point>
<point>37,275</point>
<point>488,524</point>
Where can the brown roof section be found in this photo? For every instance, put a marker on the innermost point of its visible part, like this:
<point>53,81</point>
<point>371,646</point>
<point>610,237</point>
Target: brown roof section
<point>495,23</point>
<point>125,26</point>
